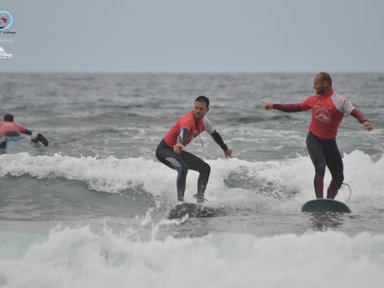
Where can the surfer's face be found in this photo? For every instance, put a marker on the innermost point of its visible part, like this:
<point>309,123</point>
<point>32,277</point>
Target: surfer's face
<point>200,109</point>
<point>319,85</point>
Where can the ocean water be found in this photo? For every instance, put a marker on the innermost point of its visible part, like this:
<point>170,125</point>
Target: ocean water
<point>91,209</point>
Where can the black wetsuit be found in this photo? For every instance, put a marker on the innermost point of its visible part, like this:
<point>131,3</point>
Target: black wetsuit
<point>182,163</point>
<point>324,152</point>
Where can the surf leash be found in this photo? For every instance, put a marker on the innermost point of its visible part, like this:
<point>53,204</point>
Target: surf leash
<point>349,189</point>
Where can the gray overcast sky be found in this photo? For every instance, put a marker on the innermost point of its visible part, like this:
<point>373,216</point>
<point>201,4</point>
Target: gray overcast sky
<point>195,36</point>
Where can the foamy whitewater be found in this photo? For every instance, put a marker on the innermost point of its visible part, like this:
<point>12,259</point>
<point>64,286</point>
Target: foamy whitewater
<point>91,209</point>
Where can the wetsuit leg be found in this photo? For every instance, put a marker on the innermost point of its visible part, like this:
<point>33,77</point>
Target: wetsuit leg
<point>3,144</point>
<point>167,156</point>
<point>8,136</point>
<point>41,138</point>
<point>196,164</point>
<point>335,165</point>
<point>315,149</point>
<point>182,163</point>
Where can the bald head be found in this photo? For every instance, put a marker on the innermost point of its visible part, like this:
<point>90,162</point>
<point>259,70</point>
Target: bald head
<point>324,76</point>
<point>322,83</point>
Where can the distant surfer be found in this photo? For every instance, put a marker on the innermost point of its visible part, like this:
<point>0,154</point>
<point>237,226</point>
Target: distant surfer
<point>328,108</point>
<point>10,130</point>
<point>171,149</point>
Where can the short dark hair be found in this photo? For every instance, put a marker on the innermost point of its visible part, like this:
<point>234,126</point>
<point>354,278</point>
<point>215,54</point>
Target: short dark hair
<point>324,76</point>
<point>8,117</point>
<point>203,99</point>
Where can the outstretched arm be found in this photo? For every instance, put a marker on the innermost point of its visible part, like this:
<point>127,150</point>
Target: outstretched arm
<point>282,107</point>
<point>362,119</point>
<point>217,138</point>
<point>28,132</point>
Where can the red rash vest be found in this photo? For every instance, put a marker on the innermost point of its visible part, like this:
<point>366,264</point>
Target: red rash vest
<point>327,112</point>
<point>194,127</point>
<point>10,126</point>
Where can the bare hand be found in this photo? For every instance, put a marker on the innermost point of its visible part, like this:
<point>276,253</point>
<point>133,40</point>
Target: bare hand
<point>368,126</point>
<point>178,148</point>
<point>228,153</point>
<point>267,105</point>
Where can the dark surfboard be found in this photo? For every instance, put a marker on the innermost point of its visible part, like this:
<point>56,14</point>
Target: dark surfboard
<point>325,205</point>
<point>192,210</point>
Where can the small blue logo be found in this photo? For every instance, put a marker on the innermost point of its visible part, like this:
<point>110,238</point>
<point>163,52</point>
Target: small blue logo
<point>6,20</point>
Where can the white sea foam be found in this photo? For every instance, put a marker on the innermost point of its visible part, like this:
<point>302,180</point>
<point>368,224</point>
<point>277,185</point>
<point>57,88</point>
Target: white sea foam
<point>81,258</point>
<point>234,181</point>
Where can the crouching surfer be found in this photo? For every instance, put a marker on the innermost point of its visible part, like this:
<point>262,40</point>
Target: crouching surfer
<point>171,149</point>
<point>11,131</point>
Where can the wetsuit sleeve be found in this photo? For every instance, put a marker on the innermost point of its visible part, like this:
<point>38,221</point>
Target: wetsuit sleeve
<point>288,107</point>
<point>208,126</point>
<point>182,136</point>
<point>342,104</point>
<point>22,129</point>
<point>359,115</point>
<point>216,136</point>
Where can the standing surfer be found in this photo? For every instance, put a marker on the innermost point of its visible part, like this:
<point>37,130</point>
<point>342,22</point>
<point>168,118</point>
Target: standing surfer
<point>171,149</point>
<point>328,108</point>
